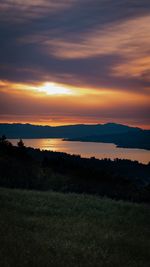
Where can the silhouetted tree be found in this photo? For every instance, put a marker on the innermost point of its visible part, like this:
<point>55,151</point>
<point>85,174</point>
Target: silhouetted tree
<point>4,143</point>
<point>20,144</point>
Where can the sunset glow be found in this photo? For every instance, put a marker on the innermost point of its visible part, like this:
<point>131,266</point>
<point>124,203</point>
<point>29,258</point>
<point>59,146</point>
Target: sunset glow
<point>86,68</point>
<point>54,89</point>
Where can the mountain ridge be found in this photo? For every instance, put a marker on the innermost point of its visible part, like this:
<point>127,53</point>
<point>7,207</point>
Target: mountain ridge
<point>17,130</point>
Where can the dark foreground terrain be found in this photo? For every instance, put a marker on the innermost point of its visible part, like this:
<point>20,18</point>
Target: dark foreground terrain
<point>55,229</point>
<point>28,168</point>
<point>72,227</point>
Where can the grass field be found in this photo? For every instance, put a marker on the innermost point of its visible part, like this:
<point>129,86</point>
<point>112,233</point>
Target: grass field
<point>53,229</point>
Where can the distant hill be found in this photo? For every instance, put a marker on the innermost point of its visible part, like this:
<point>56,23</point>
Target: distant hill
<point>68,131</point>
<point>121,135</point>
<point>130,139</point>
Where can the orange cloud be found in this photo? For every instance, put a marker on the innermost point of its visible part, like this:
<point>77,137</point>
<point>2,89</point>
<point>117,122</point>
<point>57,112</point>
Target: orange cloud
<point>130,39</point>
<point>137,68</point>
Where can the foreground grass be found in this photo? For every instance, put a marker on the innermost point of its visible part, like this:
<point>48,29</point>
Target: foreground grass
<point>53,229</point>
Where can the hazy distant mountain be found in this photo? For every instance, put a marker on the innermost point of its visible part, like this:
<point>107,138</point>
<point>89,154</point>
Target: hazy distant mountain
<point>121,135</point>
<point>69,131</point>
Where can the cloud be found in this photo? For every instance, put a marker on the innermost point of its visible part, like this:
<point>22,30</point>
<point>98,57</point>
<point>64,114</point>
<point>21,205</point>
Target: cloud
<point>91,44</point>
<point>138,68</point>
<point>125,39</point>
<point>17,11</point>
<point>95,44</point>
<point>129,40</point>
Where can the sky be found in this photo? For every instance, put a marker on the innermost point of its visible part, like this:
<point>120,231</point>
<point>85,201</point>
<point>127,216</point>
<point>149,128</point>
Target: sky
<point>75,61</point>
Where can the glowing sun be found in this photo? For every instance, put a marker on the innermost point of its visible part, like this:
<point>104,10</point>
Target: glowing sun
<point>54,89</point>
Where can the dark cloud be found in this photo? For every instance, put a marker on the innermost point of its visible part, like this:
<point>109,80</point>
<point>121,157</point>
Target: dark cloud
<point>47,24</point>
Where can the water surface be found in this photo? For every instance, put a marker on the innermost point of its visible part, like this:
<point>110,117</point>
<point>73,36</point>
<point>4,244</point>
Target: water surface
<point>88,149</point>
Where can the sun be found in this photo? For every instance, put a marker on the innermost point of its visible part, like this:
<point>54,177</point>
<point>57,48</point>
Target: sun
<point>54,89</point>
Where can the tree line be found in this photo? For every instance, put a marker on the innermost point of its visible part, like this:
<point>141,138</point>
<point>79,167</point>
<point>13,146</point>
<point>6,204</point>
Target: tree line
<point>28,168</point>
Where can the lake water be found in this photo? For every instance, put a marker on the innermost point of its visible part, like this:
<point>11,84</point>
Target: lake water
<point>88,149</point>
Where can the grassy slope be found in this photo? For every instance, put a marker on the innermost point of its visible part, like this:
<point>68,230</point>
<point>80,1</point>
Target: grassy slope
<point>53,229</point>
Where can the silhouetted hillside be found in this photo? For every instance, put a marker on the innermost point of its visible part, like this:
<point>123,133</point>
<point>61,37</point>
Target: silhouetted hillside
<point>29,168</point>
<point>131,139</point>
<point>68,131</point>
